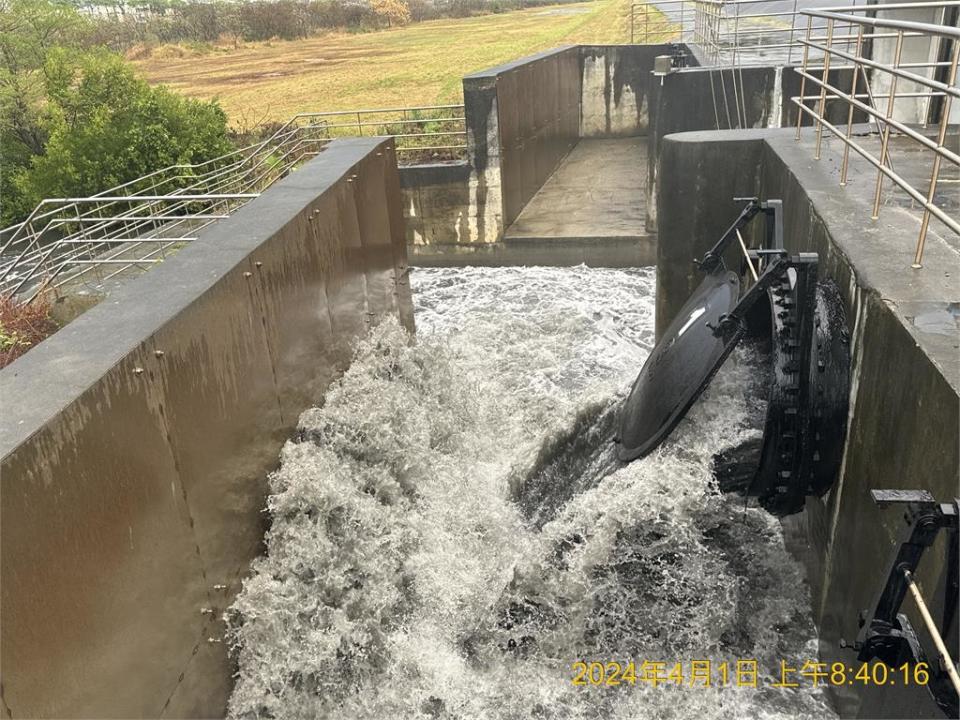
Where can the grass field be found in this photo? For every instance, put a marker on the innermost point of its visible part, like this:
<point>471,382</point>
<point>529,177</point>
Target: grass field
<point>420,64</point>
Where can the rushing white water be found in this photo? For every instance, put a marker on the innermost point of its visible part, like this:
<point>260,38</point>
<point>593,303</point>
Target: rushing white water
<point>450,532</point>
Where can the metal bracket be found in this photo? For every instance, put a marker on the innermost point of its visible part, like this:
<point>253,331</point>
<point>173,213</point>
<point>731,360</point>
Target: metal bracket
<point>886,634</point>
<point>773,212</point>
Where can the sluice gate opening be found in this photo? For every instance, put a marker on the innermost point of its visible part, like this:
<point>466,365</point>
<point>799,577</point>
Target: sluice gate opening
<point>801,324</point>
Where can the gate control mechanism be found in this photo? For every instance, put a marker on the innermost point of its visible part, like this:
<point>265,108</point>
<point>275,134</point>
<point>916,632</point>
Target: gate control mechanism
<point>809,355</point>
<point>886,634</point>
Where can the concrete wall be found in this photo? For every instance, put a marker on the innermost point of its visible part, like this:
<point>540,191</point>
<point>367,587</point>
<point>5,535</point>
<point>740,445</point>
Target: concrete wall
<point>436,203</point>
<point>615,85</point>
<point>135,442</point>
<point>538,109</point>
<point>713,99</point>
<point>905,398</point>
<point>522,118</point>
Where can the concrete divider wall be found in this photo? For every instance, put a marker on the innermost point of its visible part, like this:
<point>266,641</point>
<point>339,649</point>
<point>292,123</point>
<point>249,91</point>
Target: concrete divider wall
<point>615,85</point>
<point>905,396</point>
<point>135,442</point>
<point>522,119</point>
<point>726,99</point>
<point>538,116</point>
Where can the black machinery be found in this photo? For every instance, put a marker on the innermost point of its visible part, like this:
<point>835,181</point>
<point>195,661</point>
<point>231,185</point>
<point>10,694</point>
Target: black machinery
<point>801,321</point>
<point>886,634</point>
<point>809,350</point>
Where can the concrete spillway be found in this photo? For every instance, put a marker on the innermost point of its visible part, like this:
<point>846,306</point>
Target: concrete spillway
<point>450,530</point>
<point>436,550</point>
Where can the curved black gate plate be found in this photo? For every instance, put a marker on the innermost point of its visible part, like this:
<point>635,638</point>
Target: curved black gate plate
<point>679,368</point>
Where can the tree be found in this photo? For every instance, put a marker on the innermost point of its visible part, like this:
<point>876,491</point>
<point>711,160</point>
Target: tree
<point>75,120</point>
<point>395,12</point>
<point>29,30</point>
<point>105,126</point>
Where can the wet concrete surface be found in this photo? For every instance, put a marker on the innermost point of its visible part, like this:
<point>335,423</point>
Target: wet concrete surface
<point>135,442</point>
<point>597,193</point>
<point>908,159</point>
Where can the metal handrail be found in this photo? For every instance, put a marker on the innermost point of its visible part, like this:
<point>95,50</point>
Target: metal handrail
<point>729,33</point>
<point>887,124</point>
<point>139,222</point>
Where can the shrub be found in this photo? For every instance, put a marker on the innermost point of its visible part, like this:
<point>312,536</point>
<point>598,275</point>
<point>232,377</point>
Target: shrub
<point>105,126</point>
<point>22,326</point>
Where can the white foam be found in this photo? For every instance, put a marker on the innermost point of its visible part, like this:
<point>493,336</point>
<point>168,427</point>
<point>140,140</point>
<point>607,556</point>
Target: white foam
<point>402,580</point>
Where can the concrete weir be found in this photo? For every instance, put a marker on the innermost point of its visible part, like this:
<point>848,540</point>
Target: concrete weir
<point>540,129</point>
<point>135,443</point>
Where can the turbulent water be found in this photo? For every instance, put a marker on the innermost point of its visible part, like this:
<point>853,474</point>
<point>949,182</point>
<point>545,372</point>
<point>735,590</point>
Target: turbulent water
<point>451,531</point>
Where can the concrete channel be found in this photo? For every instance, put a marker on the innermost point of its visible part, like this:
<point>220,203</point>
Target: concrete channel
<point>135,443</point>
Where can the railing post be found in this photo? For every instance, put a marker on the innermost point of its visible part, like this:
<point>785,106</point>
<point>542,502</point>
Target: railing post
<point>716,36</point>
<point>733,64</point>
<point>793,29</point>
<point>821,108</point>
<point>853,95</point>
<point>886,128</point>
<point>803,77</point>
<point>937,157</point>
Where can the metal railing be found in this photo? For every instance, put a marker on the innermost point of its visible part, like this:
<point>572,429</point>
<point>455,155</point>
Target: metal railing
<point>139,223</point>
<point>649,23</point>
<point>728,32</point>
<point>929,80</point>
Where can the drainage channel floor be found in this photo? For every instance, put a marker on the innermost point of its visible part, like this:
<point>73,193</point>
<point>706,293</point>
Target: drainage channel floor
<point>598,192</point>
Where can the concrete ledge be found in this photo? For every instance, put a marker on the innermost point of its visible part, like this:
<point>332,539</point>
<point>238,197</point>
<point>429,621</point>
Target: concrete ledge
<point>135,442</point>
<point>412,176</point>
<point>550,252</point>
<point>493,72</point>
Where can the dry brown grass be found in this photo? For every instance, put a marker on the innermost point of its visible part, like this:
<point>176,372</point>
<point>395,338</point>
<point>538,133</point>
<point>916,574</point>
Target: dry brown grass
<point>22,326</point>
<point>420,64</point>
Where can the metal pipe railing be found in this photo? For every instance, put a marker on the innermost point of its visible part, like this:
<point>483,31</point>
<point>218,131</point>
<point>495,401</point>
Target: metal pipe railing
<point>887,123</point>
<point>731,32</point>
<point>137,223</point>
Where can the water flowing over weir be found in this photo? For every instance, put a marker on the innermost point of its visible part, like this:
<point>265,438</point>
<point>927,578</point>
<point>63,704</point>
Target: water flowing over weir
<point>450,531</point>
